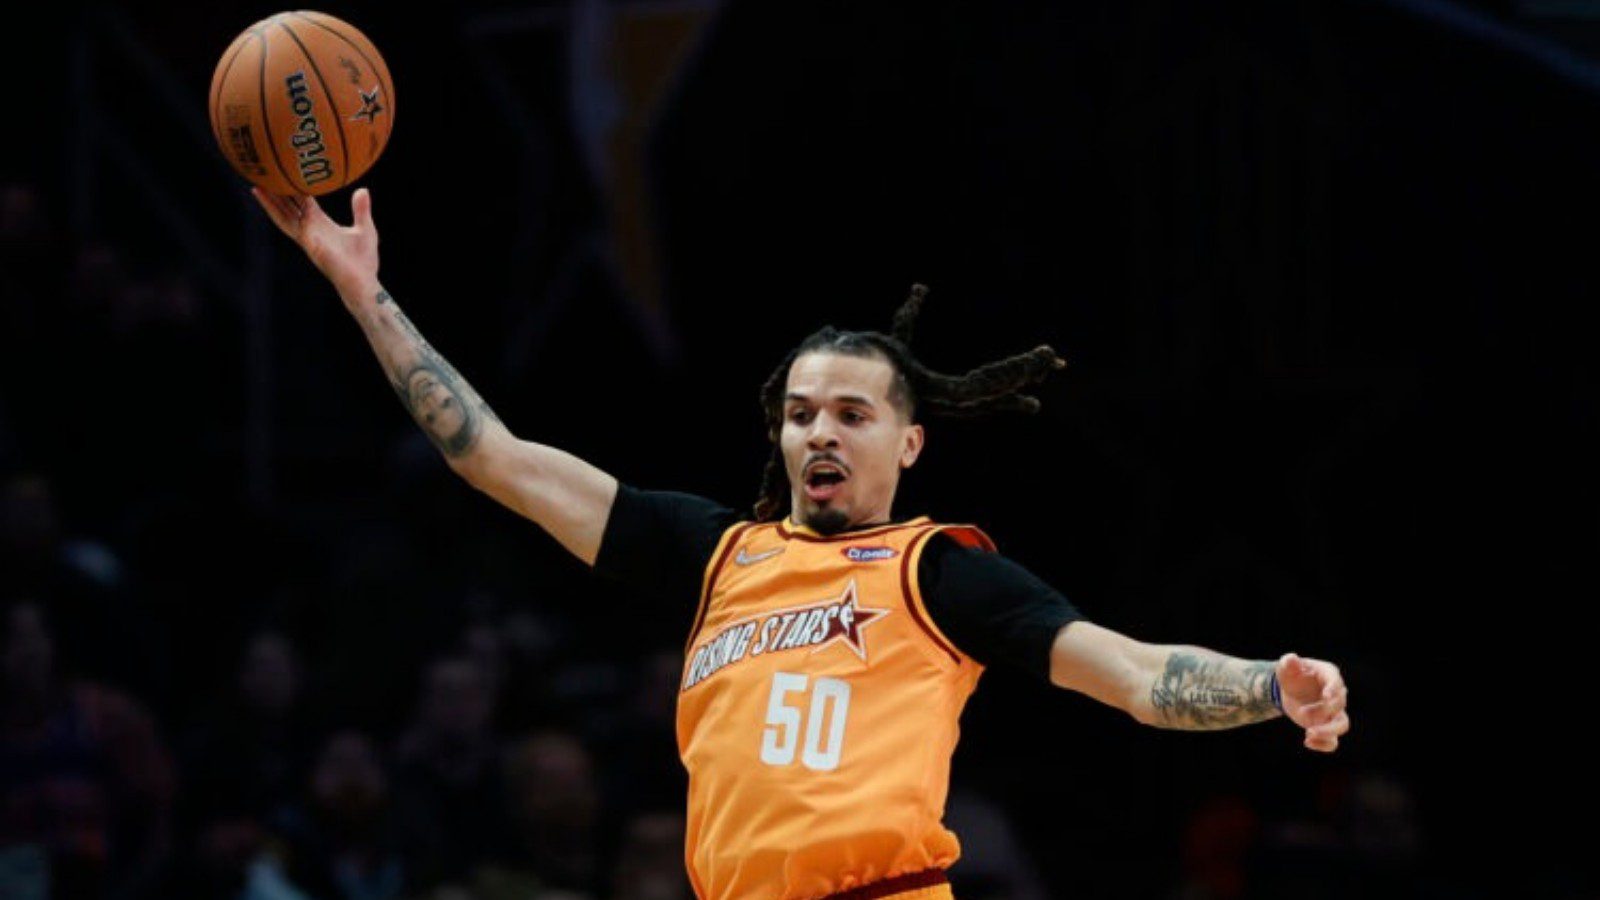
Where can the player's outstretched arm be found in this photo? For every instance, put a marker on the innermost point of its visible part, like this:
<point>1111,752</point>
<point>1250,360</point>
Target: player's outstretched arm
<point>1195,689</point>
<point>563,494</point>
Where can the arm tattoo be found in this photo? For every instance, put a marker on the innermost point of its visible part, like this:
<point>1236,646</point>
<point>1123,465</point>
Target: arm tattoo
<point>450,412</point>
<point>1203,691</point>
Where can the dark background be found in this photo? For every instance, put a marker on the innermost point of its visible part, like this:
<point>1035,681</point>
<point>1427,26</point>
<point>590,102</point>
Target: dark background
<point>1322,272</point>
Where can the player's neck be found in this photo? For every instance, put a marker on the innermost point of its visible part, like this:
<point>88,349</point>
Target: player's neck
<point>875,522</point>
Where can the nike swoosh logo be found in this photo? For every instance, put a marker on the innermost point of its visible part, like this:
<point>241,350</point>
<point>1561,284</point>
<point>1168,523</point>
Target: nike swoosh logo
<point>744,560</point>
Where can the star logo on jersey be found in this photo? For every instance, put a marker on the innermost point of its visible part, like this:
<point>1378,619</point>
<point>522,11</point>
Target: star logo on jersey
<point>369,105</point>
<point>816,625</point>
<point>847,625</point>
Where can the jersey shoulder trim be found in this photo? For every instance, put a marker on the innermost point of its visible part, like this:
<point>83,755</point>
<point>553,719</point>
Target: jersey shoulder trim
<point>968,536</point>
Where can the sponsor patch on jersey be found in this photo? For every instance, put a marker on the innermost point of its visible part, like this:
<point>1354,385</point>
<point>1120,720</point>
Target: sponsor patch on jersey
<point>869,554</point>
<point>816,626</point>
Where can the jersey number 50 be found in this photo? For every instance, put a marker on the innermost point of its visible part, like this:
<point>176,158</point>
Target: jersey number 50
<point>829,704</point>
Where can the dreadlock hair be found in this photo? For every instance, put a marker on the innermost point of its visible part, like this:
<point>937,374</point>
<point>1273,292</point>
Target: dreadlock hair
<point>995,387</point>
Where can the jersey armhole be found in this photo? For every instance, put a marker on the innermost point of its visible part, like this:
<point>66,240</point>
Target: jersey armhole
<point>964,535</point>
<point>719,558</point>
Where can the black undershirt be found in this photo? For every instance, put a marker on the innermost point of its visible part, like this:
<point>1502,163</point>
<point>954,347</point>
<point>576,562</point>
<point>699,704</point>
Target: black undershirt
<point>659,542</point>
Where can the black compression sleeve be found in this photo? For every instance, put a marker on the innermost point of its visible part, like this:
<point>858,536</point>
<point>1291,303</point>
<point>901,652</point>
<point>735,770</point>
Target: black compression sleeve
<point>993,609</point>
<point>659,542</point>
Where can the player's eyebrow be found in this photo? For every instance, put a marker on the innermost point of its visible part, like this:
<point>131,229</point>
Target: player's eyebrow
<point>857,399</point>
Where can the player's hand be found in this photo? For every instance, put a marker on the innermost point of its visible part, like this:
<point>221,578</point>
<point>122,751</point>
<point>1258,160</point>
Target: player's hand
<point>1313,695</point>
<point>348,256</point>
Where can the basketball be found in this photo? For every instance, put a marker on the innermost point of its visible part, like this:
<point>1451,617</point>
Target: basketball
<point>301,103</point>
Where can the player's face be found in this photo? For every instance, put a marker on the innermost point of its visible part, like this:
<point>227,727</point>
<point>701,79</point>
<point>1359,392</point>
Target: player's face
<point>844,443</point>
<point>435,405</point>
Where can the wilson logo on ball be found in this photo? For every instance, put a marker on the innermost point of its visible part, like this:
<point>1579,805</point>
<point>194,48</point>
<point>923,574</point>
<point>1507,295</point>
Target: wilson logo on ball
<point>307,141</point>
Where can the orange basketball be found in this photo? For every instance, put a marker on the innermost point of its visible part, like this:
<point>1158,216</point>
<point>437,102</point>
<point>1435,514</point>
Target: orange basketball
<point>301,103</point>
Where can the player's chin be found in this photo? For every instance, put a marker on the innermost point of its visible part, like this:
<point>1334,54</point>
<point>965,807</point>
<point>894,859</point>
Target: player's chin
<point>829,516</point>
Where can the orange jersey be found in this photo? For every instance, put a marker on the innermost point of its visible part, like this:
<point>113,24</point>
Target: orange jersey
<point>818,712</point>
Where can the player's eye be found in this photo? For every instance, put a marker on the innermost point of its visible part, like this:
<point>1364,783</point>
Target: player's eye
<point>852,417</point>
<point>799,414</point>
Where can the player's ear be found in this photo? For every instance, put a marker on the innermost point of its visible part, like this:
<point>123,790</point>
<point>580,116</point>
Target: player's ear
<point>912,448</point>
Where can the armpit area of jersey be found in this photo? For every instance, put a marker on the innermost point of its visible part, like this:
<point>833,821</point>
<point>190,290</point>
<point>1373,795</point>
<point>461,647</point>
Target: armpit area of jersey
<point>994,610</point>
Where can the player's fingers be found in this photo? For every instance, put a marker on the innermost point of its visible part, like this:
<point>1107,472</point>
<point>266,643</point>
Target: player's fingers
<point>1322,745</point>
<point>1332,697</point>
<point>1326,738</point>
<point>361,207</point>
<point>312,211</point>
<point>1316,714</point>
<point>290,205</point>
<point>281,215</point>
<point>294,210</point>
<point>1300,674</point>
<point>1333,729</point>
<point>1335,695</point>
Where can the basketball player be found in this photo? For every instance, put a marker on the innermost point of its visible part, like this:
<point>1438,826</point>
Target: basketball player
<point>834,645</point>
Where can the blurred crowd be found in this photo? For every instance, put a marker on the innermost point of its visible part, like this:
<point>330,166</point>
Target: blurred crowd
<point>153,745</point>
<point>202,699</point>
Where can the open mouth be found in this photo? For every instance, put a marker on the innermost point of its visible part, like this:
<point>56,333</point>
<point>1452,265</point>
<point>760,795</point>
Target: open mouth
<point>823,480</point>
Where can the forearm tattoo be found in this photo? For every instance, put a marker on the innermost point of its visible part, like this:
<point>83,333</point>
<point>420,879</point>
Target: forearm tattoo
<point>450,412</point>
<point>1201,691</point>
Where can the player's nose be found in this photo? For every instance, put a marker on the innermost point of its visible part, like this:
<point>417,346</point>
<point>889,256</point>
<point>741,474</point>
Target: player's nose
<point>823,433</point>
